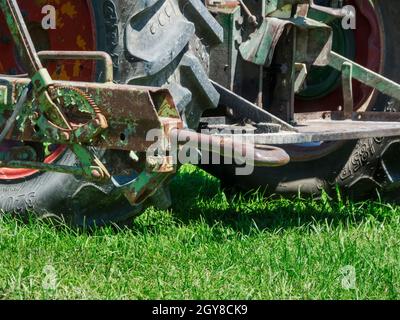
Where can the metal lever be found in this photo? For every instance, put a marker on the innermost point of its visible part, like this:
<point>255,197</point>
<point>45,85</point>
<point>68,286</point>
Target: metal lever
<point>335,12</point>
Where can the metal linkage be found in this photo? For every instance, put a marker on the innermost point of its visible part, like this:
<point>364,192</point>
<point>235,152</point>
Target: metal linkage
<point>366,76</point>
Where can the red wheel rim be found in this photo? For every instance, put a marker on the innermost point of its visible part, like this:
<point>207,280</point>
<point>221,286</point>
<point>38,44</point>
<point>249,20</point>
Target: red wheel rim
<point>75,30</point>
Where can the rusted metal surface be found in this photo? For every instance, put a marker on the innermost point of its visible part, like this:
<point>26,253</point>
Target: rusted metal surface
<point>369,116</point>
<point>328,130</point>
<point>118,117</point>
<point>130,111</point>
<point>265,156</point>
<point>347,87</point>
<point>282,104</point>
<point>313,46</point>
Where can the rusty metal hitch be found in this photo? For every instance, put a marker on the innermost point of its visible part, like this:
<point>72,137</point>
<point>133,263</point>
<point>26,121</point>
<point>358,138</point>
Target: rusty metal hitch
<point>235,147</point>
<point>145,184</point>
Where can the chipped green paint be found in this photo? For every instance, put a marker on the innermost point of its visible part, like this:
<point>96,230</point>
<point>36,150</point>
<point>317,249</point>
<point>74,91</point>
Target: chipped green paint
<point>144,186</point>
<point>367,77</point>
<point>69,98</point>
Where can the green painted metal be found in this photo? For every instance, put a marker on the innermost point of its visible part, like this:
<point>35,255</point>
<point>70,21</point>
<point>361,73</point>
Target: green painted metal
<point>314,40</point>
<point>260,48</point>
<point>366,76</point>
<point>224,61</point>
<point>321,81</point>
<point>347,88</point>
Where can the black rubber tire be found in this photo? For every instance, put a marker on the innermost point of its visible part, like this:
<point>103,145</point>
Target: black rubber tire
<point>125,30</point>
<point>356,166</point>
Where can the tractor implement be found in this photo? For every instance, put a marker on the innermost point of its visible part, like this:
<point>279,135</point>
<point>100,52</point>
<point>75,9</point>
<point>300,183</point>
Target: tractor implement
<point>83,116</point>
<point>275,86</point>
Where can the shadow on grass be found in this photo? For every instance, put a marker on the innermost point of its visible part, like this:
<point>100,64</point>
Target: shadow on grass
<point>197,196</point>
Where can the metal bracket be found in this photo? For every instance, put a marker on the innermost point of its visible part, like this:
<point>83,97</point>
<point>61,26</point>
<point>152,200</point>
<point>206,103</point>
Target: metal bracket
<point>347,85</point>
<point>366,76</point>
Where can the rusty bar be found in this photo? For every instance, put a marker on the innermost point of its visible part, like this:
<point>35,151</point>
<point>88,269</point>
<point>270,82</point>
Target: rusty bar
<point>368,116</point>
<point>283,103</point>
<point>82,55</point>
<point>130,112</point>
<point>266,156</point>
<point>260,97</point>
<point>327,130</point>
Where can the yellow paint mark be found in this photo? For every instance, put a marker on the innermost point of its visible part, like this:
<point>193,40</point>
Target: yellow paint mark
<point>69,10</point>
<point>61,74</point>
<point>76,69</point>
<point>60,21</point>
<point>80,42</point>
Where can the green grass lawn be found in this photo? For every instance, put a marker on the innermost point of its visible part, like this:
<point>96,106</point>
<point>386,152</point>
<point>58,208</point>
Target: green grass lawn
<point>211,247</point>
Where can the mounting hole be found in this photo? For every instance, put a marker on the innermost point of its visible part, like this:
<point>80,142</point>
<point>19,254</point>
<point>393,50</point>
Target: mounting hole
<point>122,136</point>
